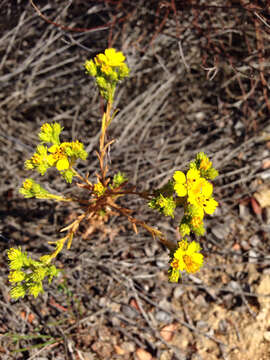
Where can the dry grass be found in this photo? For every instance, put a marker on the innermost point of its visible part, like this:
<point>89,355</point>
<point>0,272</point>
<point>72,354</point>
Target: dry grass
<point>199,82</point>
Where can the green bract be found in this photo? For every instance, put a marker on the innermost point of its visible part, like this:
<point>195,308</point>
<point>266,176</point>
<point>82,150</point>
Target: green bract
<point>27,274</point>
<point>118,180</point>
<point>31,189</point>
<point>49,133</point>
<point>204,165</point>
<point>165,205</point>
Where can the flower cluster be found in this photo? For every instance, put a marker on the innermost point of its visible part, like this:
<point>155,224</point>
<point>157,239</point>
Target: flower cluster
<point>165,205</point>
<point>187,258</point>
<point>31,189</point>
<point>197,193</point>
<point>194,193</point>
<point>108,69</point>
<point>163,200</point>
<point>62,156</point>
<point>27,274</point>
<point>118,180</point>
<point>99,189</point>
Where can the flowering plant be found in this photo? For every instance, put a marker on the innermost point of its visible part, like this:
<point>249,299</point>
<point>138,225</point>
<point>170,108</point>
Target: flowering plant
<point>192,191</point>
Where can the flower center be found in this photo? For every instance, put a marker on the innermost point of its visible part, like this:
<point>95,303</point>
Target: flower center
<point>191,266</point>
<point>205,164</point>
<point>196,221</point>
<point>174,264</point>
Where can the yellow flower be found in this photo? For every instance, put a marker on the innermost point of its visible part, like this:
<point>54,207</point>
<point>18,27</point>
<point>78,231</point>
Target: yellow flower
<point>49,133</point>
<point>184,184</point>
<point>99,189</point>
<point>193,176</point>
<point>27,184</point>
<point>111,58</point>
<point>105,68</point>
<point>39,160</point>
<point>187,257</point>
<point>77,150</point>
<point>205,163</point>
<point>200,187</point>
<point>201,197</point>
<point>36,159</point>
<point>62,164</point>
<point>184,229</point>
<point>102,63</point>
<point>58,157</point>
<point>108,69</point>
<point>209,205</point>
<point>63,156</point>
<point>196,221</point>
<point>180,183</point>
<point>197,189</point>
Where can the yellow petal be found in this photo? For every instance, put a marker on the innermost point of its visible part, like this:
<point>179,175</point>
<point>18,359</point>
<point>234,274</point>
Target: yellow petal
<point>193,247</point>
<point>53,148</point>
<point>181,264</point>
<point>184,229</point>
<point>197,258</point>
<point>193,263</point>
<point>180,189</point>
<point>193,175</point>
<point>62,164</point>
<point>101,58</point>
<point>179,177</point>
<point>114,58</point>
<point>205,163</point>
<point>210,206</point>
<point>207,189</point>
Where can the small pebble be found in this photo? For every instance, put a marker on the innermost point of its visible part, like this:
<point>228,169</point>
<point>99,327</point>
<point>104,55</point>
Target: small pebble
<point>166,355</point>
<point>266,336</point>
<point>220,231</point>
<point>103,302</point>
<point>200,301</point>
<point>253,256</point>
<point>202,325</point>
<point>254,240</point>
<point>129,312</point>
<point>223,326</point>
<point>178,292</point>
<point>239,128</point>
<point>233,285</point>
<point>244,213</point>
<point>128,347</point>
<point>265,175</point>
<point>161,264</point>
<point>266,215</point>
<point>245,245</point>
<point>163,316</point>
<point>165,305</point>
